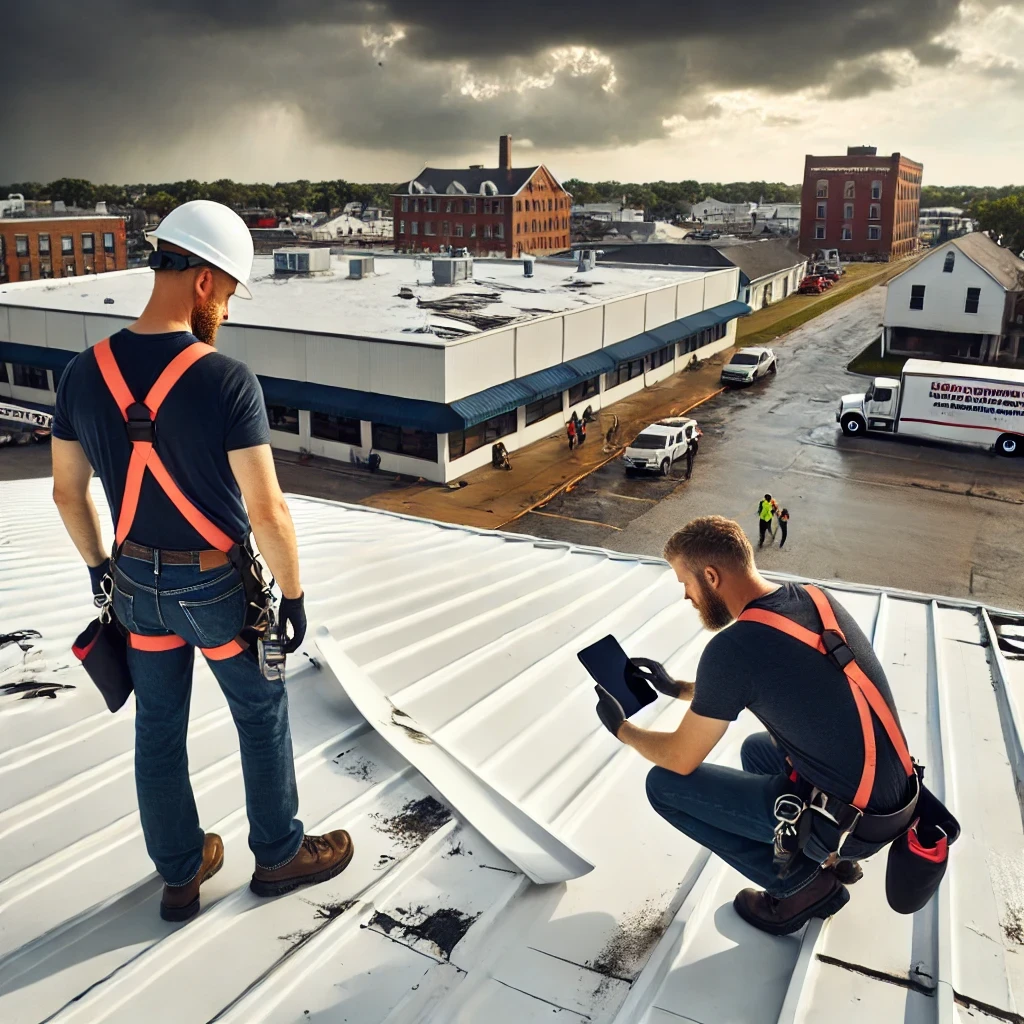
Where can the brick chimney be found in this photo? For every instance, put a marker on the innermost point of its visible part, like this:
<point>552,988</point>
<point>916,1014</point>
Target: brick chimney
<point>505,152</point>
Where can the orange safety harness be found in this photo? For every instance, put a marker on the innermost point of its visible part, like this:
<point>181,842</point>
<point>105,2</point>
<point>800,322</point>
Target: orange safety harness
<point>794,827</point>
<point>140,419</point>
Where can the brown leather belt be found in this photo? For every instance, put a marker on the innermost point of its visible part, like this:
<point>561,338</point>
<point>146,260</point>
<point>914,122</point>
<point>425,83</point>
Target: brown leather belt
<point>211,558</point>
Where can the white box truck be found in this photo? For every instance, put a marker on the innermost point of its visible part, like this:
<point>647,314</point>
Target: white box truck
<point>982,406</point>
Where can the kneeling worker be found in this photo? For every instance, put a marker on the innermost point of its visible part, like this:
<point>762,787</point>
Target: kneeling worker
<point>829,783</point>
<point>179,435</point>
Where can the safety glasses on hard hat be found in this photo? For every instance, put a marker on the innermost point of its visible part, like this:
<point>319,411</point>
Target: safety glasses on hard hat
<point>164,259</point>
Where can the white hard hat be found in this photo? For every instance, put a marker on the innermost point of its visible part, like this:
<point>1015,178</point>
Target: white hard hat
<point>214,233</point>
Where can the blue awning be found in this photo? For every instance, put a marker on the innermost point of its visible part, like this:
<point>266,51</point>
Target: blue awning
<point>432,417</point>
<point>635,347</point>
<point>496,401</point>
<point>36,355</point>
<point>592,364</point>
<point>669,334</point>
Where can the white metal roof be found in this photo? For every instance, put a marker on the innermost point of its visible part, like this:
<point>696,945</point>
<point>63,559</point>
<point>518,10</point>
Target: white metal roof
<point>474,634</point>
<point>370,307</point>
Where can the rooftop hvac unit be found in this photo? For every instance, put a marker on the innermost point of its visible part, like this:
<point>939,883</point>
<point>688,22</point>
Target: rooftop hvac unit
<point>302,261</point>
<point>359,267</point>
<point>588,259</point>
<point>449,269</point>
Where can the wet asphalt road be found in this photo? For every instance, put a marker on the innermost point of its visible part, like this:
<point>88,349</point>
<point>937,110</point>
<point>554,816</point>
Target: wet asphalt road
<point>942,520</point>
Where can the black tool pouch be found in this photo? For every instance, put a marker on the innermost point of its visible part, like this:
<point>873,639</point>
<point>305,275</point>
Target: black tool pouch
<point>102,648</point>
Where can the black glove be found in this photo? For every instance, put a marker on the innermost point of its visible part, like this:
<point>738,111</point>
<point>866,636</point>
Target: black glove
<point>292,610</point>
<point>609,710</point>
<point>654,672</point>
<point>96,574</point>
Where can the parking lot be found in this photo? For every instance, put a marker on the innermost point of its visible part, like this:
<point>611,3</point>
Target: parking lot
<point>881,510</point>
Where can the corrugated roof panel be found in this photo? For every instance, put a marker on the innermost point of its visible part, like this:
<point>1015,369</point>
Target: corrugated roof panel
<point>494,401</point>
<point>475,634</point>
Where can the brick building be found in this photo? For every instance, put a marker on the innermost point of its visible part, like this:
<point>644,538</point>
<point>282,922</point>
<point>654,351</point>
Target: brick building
<point>502,211</point>
<point>39,247</point>
<point>862,204</point>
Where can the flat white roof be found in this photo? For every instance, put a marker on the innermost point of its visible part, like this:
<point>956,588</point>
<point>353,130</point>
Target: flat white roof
<point>371,307</point>
<point>58,218</point>
<point>474,634</point>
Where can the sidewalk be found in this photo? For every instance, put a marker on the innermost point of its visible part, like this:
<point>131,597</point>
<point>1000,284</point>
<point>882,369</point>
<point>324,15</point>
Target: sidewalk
<point>492,498</point>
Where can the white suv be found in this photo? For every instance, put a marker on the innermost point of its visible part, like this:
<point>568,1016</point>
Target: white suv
<point>656,447</point>
<point>748,365</point>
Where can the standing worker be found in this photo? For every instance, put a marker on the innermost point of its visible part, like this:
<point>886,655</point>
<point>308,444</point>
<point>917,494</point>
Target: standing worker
<point>783,526</point>
<point>570,432</point>
<point>689,457</point>
<point>765,511</point>
<point>181,570</point>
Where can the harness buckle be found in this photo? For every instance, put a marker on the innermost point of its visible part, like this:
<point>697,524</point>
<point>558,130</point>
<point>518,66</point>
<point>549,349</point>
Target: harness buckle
<point>836,649</point>
<point>139,421</point>
<point>788,809</point>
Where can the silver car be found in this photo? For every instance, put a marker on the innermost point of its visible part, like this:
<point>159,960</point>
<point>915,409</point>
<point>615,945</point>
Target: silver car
<point>748,365</point>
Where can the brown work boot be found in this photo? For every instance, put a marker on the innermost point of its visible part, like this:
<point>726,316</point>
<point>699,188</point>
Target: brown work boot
<point>780,916</point>
<point>848,871</point>
<point>319,858</point>
<point>180,902</point>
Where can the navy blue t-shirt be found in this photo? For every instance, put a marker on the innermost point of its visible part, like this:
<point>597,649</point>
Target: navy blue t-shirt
<point>801,698</point>
<point>216,407</point>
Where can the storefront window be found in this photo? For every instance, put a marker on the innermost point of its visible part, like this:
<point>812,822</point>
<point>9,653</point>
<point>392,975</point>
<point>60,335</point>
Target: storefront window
<point>542,409</point>
<point>283,418</point>
<point>335,428</point>
<point>417,444</point>
<point>462,442</point>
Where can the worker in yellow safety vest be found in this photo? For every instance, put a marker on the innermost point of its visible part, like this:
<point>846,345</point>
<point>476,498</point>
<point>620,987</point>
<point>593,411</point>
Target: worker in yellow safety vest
<point>765,511</point>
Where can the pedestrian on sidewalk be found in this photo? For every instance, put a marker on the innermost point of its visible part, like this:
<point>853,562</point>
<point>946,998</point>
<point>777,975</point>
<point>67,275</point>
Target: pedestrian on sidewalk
<point>581,432</point>
<point>570,433</point>
<point>689,458</point>
<point>765,511</point>
<point>783,526</point>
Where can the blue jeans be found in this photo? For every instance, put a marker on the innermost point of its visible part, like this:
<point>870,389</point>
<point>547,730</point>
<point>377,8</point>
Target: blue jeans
<point>206,609</point>
<point>732,814</point>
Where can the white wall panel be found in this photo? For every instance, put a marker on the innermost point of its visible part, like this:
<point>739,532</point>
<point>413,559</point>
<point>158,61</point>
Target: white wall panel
<point>28,326</point>
<point>661,307</point>
<point>5,324</point>
<point>231,342</point>
<point>99,327</point>
<point>689,298</point>
<point>275,353</point>
<point>623,319</point>
<point>582,332</point>
<point>409,371</point>
<point>480,363</point>
<point>720,287</point>
<point>538,345</point>
<point>333,361</point>
<point>65,331</point>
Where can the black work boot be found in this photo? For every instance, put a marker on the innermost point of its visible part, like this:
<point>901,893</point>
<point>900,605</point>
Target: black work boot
<point>180,902</point>
<point>848,871</point>
<point>779,916</point>
<point>318,858</point>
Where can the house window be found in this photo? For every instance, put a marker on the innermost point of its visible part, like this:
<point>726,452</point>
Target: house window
<point>876,190</point>
<point>585,389</point>
<point>447,206</point>
<point>431,206</point>
<point>874,232</point>
<point>819,230</point>
<point>624,372</point>
<point>487,206</point>
<point>848,190</point>
<point>405,204</point>
<point>44,245</point>
<point>820,214</point>
<point>662,356</point>
<point>973,297</point>
<point>947,265</point>
<point>874,211</point>
<point>469,206</point>
<point>415,227</point>
<point>283,418</point>
<point>917,296</point>
<point>472,231</point>
<point>445,228</point>
<point>462,442</point>
<point>848,211</point>
<point>499,230</point>
<point>519,228</point>
<point>45,269</point>
<point>541,410</point>
<point>847,234</point>
<point>67,245</point>
<point>336,428</point>
<point>458,230</point>
<point>822,189</point>
<point>519,206</point>
<point>417,444</point>
<point>487,231</point>
<point>26,376</point>
<point>25,272</point>
<point>428,228</point>
<point>88,243</point>
<point>401,227</point>
<point>551,204</point>
<point>21,245</point>
<point>498,206</point>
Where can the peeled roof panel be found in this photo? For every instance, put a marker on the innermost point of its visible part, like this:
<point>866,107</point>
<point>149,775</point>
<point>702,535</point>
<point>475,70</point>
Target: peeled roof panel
<point>475,633</point>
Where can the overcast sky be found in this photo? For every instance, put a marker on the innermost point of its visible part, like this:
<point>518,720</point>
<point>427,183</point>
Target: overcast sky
<point>639,90</point>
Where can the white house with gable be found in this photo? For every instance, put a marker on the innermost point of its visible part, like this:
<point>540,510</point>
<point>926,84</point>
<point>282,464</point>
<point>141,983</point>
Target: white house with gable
<point>964,300</point>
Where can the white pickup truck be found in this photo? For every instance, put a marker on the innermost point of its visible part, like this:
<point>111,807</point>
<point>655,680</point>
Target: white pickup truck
<point>982,406</point>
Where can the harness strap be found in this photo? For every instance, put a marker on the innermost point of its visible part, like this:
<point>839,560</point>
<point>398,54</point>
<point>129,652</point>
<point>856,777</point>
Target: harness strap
<point>865,694</point>
<point>139,417</point>
<point>170,642</point>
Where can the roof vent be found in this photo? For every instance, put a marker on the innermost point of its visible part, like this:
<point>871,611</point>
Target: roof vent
<point>476,167</point>
<point>359,267</point>
<point>588,259</point>
<point>302,261</point>
<point>450,269</point>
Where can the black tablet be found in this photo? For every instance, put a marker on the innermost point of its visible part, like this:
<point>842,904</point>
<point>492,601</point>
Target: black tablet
<point>606,662</point>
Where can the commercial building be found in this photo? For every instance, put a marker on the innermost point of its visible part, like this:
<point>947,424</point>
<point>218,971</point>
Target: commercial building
<point>776,219</point>
<point>473,635</point>
<point>425,361</point>
<point>713,212</point>
<point>963,300</point>
<point>490,211</point>
<point>607,213</point>
<point>938,224</point>
<point>38,248</point>
<point>862,204</point>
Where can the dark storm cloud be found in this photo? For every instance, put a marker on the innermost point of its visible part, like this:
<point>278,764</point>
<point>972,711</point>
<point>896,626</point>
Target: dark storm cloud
<point>125,79</point>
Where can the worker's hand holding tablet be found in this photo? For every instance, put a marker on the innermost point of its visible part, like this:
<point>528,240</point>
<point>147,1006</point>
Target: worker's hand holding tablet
<point>622,691</point>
